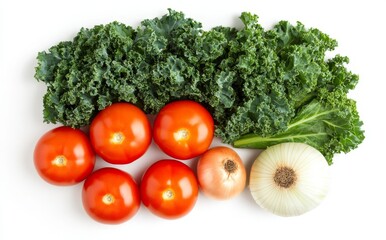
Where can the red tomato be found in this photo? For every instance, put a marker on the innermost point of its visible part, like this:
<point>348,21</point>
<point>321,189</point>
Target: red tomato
<point>183,129</point>
<point>120,133</point>
<point>64,156</point>
<point>110,196</point>
<point>169,189</point>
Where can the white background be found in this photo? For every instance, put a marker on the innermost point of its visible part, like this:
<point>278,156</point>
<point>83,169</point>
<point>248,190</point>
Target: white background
<point>354,209</point>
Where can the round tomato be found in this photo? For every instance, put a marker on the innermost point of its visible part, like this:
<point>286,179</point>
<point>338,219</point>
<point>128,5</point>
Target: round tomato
<point>169,189</point>
<point>120,133</point>
<point>183,129</point>
<point>110,196</point>
<point>64,156</point>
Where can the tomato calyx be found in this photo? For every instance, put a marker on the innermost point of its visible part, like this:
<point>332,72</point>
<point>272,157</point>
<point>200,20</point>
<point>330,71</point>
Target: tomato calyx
<point>59,161</point>
<point>168,194</point>
<point>181,135</point>
<point>108,199</point>
<point>117,138</point>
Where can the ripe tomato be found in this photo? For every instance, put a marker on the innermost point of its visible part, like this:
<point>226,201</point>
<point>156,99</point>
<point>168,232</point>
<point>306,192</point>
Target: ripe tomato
<point>120,133</point>
<point>183,129</point>
<point>169,189</point>
<point>110,196</point>
<point>64,156</point>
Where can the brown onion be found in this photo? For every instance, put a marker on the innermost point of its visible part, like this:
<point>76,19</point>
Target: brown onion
<point>221,173</point>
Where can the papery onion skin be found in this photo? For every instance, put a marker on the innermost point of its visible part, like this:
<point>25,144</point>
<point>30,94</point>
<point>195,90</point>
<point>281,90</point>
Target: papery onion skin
<point>221,173</point>
<point>306,190</point>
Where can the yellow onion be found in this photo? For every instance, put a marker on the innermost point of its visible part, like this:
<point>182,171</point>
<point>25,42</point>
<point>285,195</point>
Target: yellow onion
<point>289,179</point>
<point>221,173</point>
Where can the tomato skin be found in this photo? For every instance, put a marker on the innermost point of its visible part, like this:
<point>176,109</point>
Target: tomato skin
<point>183,129</point>
<point>63,156</point>
<point>169,189</point>
<point>110,196</point>
<point>121,133</point>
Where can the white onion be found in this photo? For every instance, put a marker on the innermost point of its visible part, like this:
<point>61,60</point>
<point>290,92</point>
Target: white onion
<point>289,179</point>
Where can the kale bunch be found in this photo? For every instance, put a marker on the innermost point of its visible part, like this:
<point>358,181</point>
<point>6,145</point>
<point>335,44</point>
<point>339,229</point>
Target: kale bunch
<point>262,87</point>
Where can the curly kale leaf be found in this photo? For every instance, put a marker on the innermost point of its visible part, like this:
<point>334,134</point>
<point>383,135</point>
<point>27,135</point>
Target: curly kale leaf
<point>87,74</point>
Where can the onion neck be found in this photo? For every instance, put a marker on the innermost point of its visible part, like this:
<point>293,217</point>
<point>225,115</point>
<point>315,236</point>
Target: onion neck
<point>230,166</point>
